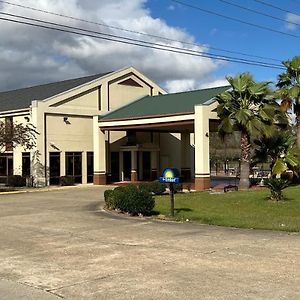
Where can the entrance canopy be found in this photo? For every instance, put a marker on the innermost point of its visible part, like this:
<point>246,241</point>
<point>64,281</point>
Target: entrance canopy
<point>162,113</point>
<point>185,113</point>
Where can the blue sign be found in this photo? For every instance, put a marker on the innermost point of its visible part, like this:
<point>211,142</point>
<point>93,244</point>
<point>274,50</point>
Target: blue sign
<point>170,175</point>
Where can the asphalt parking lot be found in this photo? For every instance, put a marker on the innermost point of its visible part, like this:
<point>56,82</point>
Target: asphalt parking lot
<point>61,245</point>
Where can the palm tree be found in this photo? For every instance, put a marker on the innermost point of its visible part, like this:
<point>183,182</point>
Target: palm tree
<point>248,107</point>
<point>280,150</point>
<point>289,89</point>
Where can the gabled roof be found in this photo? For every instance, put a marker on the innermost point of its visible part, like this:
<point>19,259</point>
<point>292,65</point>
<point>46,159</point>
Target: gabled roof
<point>22,98</point>
<point>168,104</point>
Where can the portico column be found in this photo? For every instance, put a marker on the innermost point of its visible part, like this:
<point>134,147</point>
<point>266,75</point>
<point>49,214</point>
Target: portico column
<point>99,154</point>
<point>134,175</point>
<point>185,157</point>
<point>202,172</point>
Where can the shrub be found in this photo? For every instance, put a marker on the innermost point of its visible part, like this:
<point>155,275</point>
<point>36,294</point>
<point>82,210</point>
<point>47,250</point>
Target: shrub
<point>16,181</point>
<point>177,187</point>
<point>158,188</point>
<point>254,181</point>
<point>154,187</point>
<point>66,180</point>
<point>276,186</point>
<point>109,199</point>
<point>145,186</point>
<point>130,199</point>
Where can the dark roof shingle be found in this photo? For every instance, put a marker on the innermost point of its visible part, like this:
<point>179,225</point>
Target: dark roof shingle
<point>168,104</point>
<point>22,98</point>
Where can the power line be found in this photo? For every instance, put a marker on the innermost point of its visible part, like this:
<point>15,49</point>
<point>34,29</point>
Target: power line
<point>258,12</point>
<point>139,43</point>
<point>235,19</point>
<point>276,7</point>
<point>137,32</point>
<point>136,40</point>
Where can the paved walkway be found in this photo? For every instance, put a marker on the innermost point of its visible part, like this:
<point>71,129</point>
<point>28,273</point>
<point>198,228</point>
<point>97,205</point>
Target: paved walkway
<point>60,244</point>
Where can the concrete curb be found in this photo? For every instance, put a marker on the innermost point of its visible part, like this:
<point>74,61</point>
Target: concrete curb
<point>43,190</point>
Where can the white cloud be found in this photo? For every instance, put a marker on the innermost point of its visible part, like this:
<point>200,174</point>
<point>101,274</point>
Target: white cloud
<point>294,19</point>
<point>171,7</point>
<point>174,86</point>
<point>214,83</point>
<point>31,55</point>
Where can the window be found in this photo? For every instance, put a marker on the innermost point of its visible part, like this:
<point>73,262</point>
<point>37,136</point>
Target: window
<point>6,166</point>
<point>131,138</point>
<point>25,164</point>
<point>90,167</point>
<point>9,132</point>
<point>74,165</point>
<point>54,167</point>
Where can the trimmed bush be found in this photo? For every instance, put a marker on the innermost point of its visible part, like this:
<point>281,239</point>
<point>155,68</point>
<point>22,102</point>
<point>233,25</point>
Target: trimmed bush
<point>66,180</point>
<point>154,187</point>
<point>109,199</point>
<point>130,199</point>
<point>146,187</point>
<point>158,188</point>
<point>16,181</point>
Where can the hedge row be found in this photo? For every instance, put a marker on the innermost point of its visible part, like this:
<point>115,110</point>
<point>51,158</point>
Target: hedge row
<point>130,199</point>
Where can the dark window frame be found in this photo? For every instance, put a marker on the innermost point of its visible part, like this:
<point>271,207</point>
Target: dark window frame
<point>71,164</point>
<point>26,164</point>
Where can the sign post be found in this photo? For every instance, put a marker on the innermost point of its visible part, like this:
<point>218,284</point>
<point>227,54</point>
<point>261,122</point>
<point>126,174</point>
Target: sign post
<point>171,176</point>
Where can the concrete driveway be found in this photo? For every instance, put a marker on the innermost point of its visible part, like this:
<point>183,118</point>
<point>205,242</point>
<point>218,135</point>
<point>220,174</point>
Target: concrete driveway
<point>60,244</point>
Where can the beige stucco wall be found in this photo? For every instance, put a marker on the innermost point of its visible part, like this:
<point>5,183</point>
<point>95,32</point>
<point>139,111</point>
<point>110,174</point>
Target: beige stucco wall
<point>75,135</point>
<point>86,102</point>
<point>170,151</point>
<point>80,105</point>
<point>121,94</point>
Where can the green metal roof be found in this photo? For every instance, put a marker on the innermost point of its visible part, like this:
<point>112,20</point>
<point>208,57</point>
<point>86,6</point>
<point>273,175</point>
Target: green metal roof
<point>169,104</point>
<point>22,98</point>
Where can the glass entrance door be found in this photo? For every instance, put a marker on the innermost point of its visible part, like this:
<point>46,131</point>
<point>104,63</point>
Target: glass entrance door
<point>146,165</point>
<point>74,165</point>
<point>127,165</point>
<point>54,167</point>
<point>115,166</point>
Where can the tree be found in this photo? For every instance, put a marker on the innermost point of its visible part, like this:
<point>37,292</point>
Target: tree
<point>279,149</point>
<point>289,89</point>
<point>17,134</point>
<point>248,107</point>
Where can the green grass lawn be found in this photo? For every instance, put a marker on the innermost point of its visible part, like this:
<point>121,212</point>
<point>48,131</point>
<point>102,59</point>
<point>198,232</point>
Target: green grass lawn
<point>250,209</point>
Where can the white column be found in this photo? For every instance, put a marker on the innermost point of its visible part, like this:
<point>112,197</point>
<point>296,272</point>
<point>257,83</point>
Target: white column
<point>99,141</point>
<point>202,172</point>
<point>134,175</point>
<point>38,154</point>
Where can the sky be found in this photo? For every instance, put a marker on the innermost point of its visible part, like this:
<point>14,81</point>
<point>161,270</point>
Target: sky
<point>31,56</point>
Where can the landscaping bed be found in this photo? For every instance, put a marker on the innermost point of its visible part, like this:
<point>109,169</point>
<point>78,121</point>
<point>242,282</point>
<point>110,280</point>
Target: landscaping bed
<point>249,209</point>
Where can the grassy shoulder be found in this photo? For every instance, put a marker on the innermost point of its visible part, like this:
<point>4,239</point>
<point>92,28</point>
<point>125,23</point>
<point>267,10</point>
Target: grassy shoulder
<point>249,209</point>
